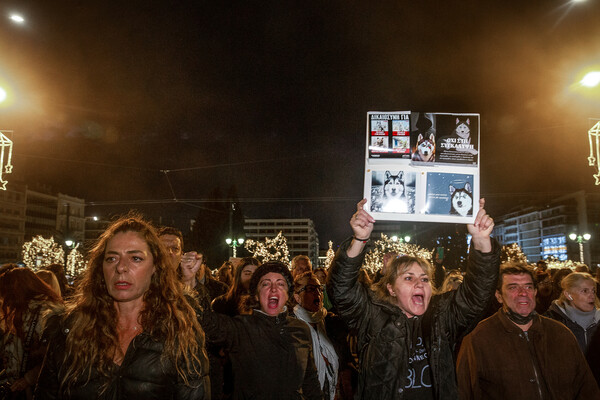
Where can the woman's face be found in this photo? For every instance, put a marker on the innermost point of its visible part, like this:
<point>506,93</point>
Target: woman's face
<point>127,266</point>
<point>310,295</point>
<point>321,276</point>
<point>272,293</point>
<point>247,272</point>
<point>583,296</point>
<point>412,291</point>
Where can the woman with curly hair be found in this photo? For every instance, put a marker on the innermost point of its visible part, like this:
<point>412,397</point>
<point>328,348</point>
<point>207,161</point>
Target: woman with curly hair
<point>25,300</point>
<point>129,332</point>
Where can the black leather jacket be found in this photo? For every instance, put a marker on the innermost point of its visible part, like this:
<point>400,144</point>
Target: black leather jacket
<point>142,375</point>
<point>383,332</point>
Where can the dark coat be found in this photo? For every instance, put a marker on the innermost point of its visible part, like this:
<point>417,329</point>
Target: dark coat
<point>583,336</point>
<point>272,357</point>
<point>495,362</point>
<point>143,374</point>
<point>383,334</point>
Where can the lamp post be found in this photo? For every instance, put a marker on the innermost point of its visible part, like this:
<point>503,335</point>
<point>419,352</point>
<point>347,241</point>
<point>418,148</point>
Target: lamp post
<point>234,244</point>
<point>580,239</point>
<point>406,239</point>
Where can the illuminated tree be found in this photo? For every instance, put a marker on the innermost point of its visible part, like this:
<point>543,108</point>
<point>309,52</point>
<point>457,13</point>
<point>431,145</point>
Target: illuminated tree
<point>41,252</point>
<point>374,258</point>
<point>512,252</point>
<point>329,256</point>
<point>271,249</point>
<point>75,262</point>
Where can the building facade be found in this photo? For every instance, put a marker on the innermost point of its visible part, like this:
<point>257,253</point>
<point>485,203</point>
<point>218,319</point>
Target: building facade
<point>544,231</point>
<point>12,222</point>
<point>26,212</point>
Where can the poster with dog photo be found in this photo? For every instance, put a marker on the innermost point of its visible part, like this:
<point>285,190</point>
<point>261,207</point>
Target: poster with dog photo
<point>449,194</point>
<point>388,135</point>
<point>422,137</point>
<point>457,138</point>
<point>401,137</point>
<point>392,191</point>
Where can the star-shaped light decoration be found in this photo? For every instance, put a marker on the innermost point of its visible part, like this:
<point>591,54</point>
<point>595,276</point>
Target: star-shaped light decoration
<point>5,158</point>
<point>593,159</point>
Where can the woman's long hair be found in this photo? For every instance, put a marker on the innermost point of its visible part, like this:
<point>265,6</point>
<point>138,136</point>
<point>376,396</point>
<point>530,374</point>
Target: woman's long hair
<point>18,287</point>
<point>237,290</point>
<point>93,341</point>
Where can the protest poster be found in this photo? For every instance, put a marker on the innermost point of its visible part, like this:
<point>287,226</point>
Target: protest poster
<point>389,135</point>
<point>422,166</point>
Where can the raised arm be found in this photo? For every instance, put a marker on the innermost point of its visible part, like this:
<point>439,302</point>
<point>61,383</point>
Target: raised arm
<point>362,226</point>
<point>469,301</point>
<point>351,298</point>
<point>481,229</point>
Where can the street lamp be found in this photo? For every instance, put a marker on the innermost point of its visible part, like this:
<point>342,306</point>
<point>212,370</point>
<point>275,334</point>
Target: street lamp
<point>234,244</point>
<point>580,239</point>
<point>402,240</point>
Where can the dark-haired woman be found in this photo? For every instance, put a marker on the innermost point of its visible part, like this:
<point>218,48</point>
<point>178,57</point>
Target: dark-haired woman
<point>25,300</point>
<point>271,352</point>
<point>130,333</point>
<point>229,302</point>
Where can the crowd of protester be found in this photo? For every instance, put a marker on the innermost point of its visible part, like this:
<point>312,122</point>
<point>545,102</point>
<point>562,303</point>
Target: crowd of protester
<point>147,320</point>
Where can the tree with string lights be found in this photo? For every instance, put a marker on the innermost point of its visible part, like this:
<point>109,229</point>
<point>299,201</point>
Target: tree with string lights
<point>40,252</point>
<point>271,249</point>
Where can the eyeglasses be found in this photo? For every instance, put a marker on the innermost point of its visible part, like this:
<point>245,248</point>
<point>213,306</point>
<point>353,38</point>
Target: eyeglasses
<point>311,289</point>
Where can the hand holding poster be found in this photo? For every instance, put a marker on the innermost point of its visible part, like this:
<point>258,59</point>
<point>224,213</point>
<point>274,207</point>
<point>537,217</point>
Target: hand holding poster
<point>427,169</point>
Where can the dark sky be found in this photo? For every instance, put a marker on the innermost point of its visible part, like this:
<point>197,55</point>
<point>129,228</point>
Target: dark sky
<point>271,96</point>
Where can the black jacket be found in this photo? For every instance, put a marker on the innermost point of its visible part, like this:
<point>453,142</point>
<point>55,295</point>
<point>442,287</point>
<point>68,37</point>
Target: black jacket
<point>272,357</point>
<point>583,336</point>
<point>142,375</point>
<point>384,334</point>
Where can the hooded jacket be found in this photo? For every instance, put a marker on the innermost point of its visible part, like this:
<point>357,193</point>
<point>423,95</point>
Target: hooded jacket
<point>384,335</point>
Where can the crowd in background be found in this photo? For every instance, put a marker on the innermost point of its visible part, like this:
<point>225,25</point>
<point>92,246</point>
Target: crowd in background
<point>148,320</point>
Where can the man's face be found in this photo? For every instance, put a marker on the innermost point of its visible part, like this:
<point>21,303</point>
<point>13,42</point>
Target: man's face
<point>517,293</point>
<point>173,245</point>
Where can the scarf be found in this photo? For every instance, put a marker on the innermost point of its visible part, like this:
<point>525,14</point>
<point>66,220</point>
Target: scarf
<point>322,347</point>
<point>518,318</point>
<point>582,318</point>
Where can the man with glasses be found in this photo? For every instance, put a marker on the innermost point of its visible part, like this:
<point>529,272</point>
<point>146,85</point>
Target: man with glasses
<point>329,337</point>
<point>518,354</point>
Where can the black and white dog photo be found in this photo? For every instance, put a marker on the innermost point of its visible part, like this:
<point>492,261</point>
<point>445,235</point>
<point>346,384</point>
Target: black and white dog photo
<point>461,200</point>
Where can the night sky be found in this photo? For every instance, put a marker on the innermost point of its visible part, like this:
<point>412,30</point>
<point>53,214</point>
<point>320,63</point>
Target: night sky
<point>270,97</point>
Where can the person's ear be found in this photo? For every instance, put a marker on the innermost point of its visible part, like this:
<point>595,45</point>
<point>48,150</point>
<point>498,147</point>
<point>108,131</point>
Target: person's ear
<point>391,290</point>
<point>499,296</point>
<point>297,298</point>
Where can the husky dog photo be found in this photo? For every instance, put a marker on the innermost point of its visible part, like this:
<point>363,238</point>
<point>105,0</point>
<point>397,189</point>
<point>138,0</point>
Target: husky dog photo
<point>393,191</point>
<point>450,194</point>
<point>422,137</point>
<point>458,139</point>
